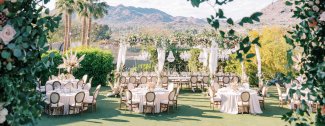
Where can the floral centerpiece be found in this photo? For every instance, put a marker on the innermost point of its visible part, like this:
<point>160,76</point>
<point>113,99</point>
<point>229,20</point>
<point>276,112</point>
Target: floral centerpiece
<point>71,61</point>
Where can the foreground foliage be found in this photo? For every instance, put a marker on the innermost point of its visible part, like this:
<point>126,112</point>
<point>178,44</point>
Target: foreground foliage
<point>20,59</point>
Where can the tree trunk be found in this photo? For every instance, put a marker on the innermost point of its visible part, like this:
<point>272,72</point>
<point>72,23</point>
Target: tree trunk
<point>65,32</point>
<point>259,66</point>
<point>84,30</point>
<point>69,31</point>
<point>89,29</point>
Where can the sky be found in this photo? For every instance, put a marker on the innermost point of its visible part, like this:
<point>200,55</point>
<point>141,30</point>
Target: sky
<point>236,9</point>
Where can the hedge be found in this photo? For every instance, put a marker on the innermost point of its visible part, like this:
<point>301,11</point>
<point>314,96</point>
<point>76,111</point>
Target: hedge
<point>98,64</point>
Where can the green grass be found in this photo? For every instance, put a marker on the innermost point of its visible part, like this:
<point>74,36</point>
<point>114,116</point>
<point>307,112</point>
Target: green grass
<point>193,110</point>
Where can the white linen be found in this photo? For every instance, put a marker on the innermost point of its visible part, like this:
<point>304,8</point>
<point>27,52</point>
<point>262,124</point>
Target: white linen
<point>246,85</point>
<point>161,62</point>
<point>130,86</point>
<point>206,55</point>
<point>63,82</point>
<point>67,97</point>
<point>87,86</point>
<point>161,59</point>
<point>170,86</point>
<point>48,87</point>
<point>230,99</point>
<point>121,56</point>
<point>138,94</point>
<point>213,57</point>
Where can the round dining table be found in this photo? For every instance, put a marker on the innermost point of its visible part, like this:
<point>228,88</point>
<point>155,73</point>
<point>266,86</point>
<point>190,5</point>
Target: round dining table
<point>63,82</point>
<point>67,96</point>
<point>230,98</point>
<point>139,94</point>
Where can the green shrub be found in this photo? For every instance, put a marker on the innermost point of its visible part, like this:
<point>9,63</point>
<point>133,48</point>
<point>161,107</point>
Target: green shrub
<point>98,64</point>
<point>194,64</point>
<point>143,67</point>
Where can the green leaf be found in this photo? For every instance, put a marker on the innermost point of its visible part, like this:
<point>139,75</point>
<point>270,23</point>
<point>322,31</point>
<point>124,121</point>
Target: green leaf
<point>5,54</point>
<point>17,52</point>
<point>222,33</point>
<point>256,16</point>
<point>215,24</point>
<point>11,46</point>
<point>47,11</point>
<point>46,1</point>
<point>246,49</point>
<point>245,40</point>
<point>195,3</point>
<point>230,21</point>
<point>250,55</point>
<point>221,14</point>
<point>255,41</point>
<point>288,3</point>
<point>9,66</point>
<point>231,32</point>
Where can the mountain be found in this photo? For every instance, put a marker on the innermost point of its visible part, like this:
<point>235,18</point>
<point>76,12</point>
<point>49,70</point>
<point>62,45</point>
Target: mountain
<point>125,16</point>
<point>278,14</point>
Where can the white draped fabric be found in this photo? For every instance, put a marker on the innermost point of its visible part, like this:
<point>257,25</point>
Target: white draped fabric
<point>124,49</point>
<point>213,59</point>
<point>259,65</point>
<point>161,59</point>
<point>206,55</point>
<point>121,57</point>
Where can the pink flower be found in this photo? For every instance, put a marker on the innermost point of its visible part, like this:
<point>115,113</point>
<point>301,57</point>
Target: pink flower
<point>7,34</point>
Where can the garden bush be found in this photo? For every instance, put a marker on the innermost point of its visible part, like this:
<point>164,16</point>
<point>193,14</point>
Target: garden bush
<point>273,50</point>
<point>194,64</point>
<point>98,64</point>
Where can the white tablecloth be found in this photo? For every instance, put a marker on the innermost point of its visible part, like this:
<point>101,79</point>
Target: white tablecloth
<point>139,94</point>
<point>230,98</point>
<point>63,82</point>
<point>67,97</point>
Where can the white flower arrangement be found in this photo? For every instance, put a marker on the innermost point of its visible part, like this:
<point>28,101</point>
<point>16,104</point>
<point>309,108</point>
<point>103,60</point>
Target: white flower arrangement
<point>71,61</point>
<point>3,113</point>
<point>7,34</point>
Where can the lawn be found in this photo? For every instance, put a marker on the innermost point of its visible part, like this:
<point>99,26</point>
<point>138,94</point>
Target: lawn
<point>193,110</point>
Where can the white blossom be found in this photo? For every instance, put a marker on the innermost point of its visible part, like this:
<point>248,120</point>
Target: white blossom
<point>322,16</point>
<point>315,8</point>
<point>13,1</point>
<point>7,34</point>
<point>2,119</point>
<point>6,11</point>
<point>3,114</point>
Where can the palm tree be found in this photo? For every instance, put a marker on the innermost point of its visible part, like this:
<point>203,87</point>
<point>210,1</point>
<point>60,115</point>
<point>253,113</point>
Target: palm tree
<point>81,7</point>
<point>96,10</point>
<point>66,7</point>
